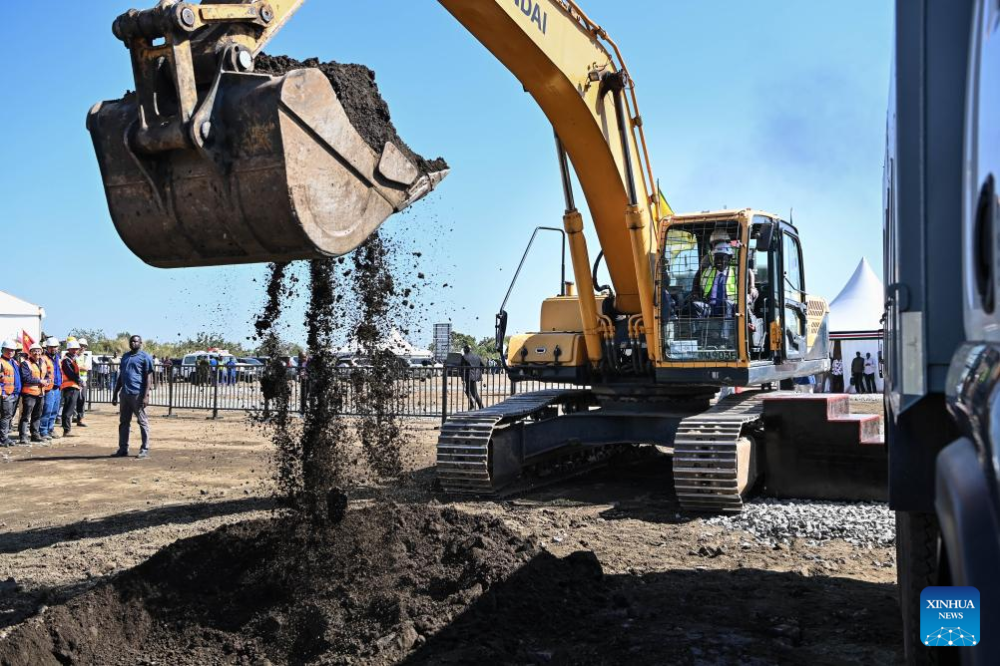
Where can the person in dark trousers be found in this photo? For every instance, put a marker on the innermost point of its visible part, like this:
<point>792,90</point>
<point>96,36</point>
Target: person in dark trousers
<point>472,375</point>
<point>134,381</point>
<point>10,390</point>
<point>85,361</point>
<point>71,386</point>
<point>32,400</point>
<point>837,376</point>
<point>869,373</point>
<point>858,373</point>
<point>202,371</point>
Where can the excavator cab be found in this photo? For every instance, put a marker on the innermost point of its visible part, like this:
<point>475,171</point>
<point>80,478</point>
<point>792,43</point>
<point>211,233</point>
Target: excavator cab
<point>208,163</point>
<point>733,305</point>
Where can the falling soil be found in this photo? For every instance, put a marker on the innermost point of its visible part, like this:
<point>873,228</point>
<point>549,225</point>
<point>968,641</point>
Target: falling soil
<point>379,424</point>
<point>275,387</point>
<point>358,93</point>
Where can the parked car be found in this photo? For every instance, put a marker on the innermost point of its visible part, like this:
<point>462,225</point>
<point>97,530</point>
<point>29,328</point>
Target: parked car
<point>189,363</point>
<point>249,369</point>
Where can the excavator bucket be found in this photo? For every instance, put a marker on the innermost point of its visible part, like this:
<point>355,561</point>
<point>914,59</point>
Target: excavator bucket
<point>278,173</point>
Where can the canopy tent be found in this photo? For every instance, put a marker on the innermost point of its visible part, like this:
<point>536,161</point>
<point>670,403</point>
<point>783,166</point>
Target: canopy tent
<point>855,322</point>
<point>394,342</point>
<point>17,315</point>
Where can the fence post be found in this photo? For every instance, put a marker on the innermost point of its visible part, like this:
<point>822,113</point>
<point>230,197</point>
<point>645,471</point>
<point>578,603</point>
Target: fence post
<point>215,394</point>
<point>444,394</point>
<point>302,379</point>
<point>170,391</point>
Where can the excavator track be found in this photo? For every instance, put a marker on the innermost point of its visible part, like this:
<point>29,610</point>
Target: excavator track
<point>463,449</point>
<point>713,458</point>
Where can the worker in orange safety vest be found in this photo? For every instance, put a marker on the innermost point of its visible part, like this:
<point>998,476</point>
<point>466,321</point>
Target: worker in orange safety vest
<point>32,400</point>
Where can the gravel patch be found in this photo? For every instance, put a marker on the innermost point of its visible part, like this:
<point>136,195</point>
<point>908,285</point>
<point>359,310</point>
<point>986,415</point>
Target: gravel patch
<point>773,521</point>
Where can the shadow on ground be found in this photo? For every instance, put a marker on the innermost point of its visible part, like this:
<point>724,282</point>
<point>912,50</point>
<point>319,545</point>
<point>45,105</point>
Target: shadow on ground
<point>567,612</point>
<point>16,542</point>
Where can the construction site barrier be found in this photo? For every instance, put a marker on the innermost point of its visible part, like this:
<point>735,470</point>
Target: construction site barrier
<point>420,392</point>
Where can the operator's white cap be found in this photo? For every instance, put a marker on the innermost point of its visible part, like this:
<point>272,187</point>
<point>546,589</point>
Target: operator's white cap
<point>52,342</point>
<point>35,346</point>
<point>73,345</point>
<point>8,344</point>
<point>83,342</point>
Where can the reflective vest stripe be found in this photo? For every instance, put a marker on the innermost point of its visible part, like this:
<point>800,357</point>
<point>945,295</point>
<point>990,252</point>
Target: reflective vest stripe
<point>67,383</point>
<point>8,385</point>
<point>36,372</point>
<point>708,280</point>
<point>50,374</point>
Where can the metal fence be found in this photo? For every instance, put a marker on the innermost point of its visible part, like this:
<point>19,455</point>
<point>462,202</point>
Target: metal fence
<point>423,392</point>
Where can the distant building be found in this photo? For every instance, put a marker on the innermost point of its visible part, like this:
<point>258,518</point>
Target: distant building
<point>17,315</point>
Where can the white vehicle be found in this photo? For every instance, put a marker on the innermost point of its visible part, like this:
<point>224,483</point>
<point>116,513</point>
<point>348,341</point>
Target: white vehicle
<point>190,361</point>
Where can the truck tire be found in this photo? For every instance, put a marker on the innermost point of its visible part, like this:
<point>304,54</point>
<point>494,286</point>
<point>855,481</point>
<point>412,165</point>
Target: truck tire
<point>917,538</point>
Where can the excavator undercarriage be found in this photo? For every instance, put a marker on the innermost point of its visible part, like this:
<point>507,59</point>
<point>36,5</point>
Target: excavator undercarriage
<point>718,451</point>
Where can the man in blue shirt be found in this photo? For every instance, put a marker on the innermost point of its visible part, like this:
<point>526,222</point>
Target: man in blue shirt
<point>134,381</point>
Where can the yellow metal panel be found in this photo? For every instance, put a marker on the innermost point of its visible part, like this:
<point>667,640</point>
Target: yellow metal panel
<point>562,313</point>
<point>540,349</point>
<point>818,310</point>
<point>553,56</point>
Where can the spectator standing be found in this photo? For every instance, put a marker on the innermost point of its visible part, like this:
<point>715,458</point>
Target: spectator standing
<point>52,391</point>
<point>869,373</point>
<point>10,389</point>
<point>70,386</point>
<point>472,375</point>
<point>837,376</point>
<point>231,370</point>
<point>202,368</point>
<point>213,362</point>
<point>85,362</point>
<point>32,398</point>
<point>858,373</point>
<point>134,381</point>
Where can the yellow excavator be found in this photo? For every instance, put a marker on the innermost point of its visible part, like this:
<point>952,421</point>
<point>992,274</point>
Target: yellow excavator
<point>209,163</point>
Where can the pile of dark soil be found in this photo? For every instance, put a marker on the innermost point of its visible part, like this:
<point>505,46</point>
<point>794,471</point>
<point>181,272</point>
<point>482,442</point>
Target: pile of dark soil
<point>369,589</point>
<point>356,89</point>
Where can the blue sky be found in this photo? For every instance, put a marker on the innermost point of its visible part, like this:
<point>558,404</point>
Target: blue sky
<point>767,104</point>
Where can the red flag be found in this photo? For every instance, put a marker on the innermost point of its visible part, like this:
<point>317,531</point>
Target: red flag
<point>26,341</point>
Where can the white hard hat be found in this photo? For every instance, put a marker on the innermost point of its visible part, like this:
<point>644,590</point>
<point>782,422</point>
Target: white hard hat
<point>34,346</point>
<point>83,342</point>
<point>52,342</point>
<point>718,235</point>
<point>8,344</point>
<point>73,345</point>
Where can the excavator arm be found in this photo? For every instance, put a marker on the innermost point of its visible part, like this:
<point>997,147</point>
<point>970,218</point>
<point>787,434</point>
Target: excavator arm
<point>211,164</point>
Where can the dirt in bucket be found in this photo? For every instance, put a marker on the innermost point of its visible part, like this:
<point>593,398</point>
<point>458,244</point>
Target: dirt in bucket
<point>356,89</point>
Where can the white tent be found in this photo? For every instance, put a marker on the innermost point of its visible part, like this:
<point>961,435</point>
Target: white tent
<point>395,343</point>
<point>17,315</point>
<point>856,319</point>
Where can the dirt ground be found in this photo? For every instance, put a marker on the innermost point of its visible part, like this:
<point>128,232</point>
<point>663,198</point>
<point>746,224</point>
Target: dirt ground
<point>675,590</point>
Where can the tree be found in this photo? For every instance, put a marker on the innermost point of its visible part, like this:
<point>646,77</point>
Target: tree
<point>93,336</point>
